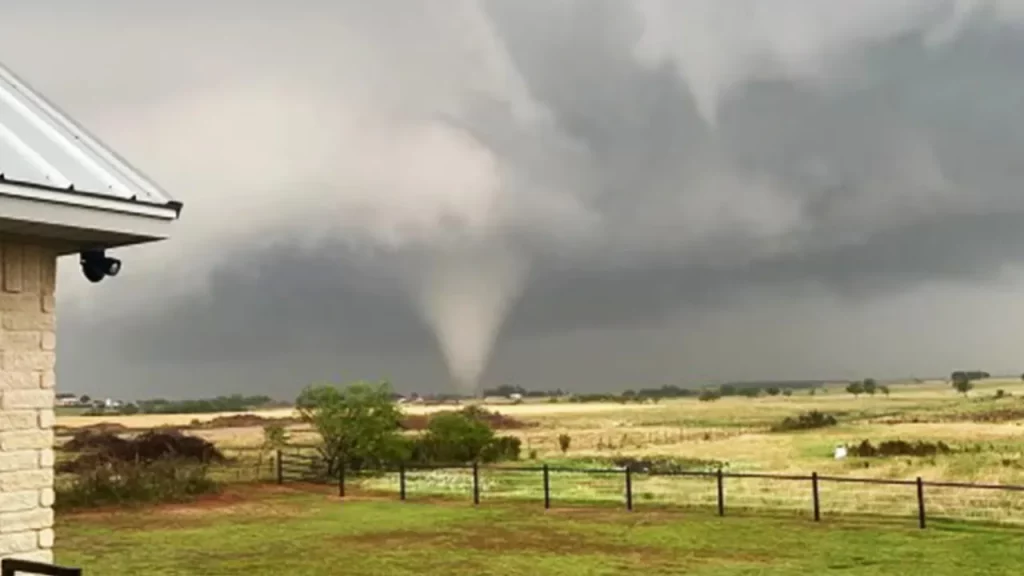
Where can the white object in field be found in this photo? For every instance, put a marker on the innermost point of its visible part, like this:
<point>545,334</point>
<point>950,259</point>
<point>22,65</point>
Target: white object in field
<point>840,452</point>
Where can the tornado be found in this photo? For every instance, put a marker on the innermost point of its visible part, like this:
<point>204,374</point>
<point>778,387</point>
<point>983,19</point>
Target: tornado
<point>464,294</point>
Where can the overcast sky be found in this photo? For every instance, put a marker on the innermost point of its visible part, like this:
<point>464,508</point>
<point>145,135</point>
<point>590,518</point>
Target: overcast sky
<point>614,194</point>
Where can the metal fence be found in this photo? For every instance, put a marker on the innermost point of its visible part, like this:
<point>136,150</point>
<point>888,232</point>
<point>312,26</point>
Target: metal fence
<point>814,495</point>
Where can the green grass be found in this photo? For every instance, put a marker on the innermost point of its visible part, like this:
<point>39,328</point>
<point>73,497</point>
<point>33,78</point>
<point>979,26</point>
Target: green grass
<point>290,532</point>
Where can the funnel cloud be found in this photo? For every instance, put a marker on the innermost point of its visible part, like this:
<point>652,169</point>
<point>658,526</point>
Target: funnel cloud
<point>582,194</point>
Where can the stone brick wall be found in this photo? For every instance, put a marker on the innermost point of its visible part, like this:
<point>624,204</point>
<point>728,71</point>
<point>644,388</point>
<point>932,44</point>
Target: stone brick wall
<point>27,343</point>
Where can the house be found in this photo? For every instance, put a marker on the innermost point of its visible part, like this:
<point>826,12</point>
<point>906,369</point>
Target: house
<point>62,193</point>
<point>66,399</point>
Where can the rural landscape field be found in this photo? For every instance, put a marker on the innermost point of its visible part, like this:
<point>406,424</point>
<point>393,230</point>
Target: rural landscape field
<point>262,517</point>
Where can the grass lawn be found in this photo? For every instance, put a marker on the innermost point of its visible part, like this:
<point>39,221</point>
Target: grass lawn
<point>270,530</point>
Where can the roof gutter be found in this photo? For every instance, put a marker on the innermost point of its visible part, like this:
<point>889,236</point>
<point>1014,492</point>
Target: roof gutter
<point>169,211</point>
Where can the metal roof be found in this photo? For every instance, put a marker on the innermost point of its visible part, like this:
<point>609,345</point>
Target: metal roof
<point>45,156</point>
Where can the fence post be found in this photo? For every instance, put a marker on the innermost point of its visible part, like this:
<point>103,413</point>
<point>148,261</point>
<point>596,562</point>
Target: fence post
<point>817,501</point>
<point>476,483</point>
<point>341,479</point>
<point>401,481</point>
<point>721,493</point>
<point>920,503</point>
<point>629,487</point>
<point>280,467</point>
<point>547,488</point>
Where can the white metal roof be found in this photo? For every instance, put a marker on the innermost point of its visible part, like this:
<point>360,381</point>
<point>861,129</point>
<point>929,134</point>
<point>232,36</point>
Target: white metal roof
<point>57,180</point>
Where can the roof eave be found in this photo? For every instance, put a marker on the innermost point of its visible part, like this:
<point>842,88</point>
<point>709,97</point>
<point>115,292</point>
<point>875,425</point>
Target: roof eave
<point>72,221</point>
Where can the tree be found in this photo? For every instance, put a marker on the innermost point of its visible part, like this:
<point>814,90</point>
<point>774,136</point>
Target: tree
<point>275,437</point>
<point>773,390</point>
<point>358,425</point>
<point>708,395</point>
<point>962,384</point>
<point>85,399</point>
<point>564,441</point>
<point>870,386</point>
<point>454,437</point>
<point>855,388</point>
<point>884,390</point>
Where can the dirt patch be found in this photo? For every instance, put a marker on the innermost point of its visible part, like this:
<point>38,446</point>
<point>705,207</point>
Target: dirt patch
<point>255,501</point>
<point>496,538</point>
<point>241,421</point>
<point>562,540</point>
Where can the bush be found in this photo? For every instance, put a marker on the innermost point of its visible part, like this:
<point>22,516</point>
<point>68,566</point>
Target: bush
<point>806,421</point>
<point>899,448</point>
<point>502,449</point>
<point>564,440</point>
<point>708,395</point>
<point>124,483</point>
<point>460,437</point>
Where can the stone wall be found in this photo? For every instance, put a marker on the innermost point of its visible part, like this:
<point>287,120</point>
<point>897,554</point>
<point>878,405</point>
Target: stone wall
<point>27,343</point>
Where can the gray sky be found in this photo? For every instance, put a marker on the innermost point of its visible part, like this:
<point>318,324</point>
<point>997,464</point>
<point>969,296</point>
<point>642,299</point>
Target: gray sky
<point>653,192</point>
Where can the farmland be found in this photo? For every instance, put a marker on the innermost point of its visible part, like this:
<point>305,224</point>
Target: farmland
<point>866,528</point>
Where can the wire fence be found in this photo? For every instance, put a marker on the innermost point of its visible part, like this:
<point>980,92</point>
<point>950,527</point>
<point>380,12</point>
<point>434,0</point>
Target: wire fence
<point>816,496</point>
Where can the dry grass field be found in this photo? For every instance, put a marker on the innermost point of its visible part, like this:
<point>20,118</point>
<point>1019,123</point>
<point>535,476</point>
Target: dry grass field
<point>736,431</point>
<point>736,434</point>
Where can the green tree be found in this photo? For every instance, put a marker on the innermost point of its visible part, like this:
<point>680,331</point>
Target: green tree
<point>855,388</point>
<point>708,395</point>
<point>358,425</point>
<point>453,437</point>
<point>773,390</point>
<point>884,390</point>
<point>962,384</point>
<point>787,392</point>
<point>870,386</point>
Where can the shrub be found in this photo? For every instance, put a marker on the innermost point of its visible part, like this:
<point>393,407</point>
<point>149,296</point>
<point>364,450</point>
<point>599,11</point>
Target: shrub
<point>502,448</point>
<point>564,440</point>
<point>787,392</point>
<point>1000,393</point>
<point>456,437</point>
<point>122,483</point>
<point>899,448</point>
<point>806,421</point>
<point>460,437</point>
<point>708,395</point>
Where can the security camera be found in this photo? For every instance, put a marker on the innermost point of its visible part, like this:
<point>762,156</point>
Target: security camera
<point>96,265</point>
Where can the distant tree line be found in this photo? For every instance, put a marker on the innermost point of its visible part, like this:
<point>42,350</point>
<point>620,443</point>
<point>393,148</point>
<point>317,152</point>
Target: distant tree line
<point>508,390</point>
<point>232,403</point>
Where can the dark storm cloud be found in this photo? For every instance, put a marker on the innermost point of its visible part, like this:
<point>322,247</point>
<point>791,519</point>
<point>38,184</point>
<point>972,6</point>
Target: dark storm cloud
<point>900,171</point>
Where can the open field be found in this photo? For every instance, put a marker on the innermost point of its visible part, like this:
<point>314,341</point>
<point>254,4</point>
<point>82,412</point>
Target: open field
<point>866,528</point>
<point>735,432</point>
<point>255,531</point>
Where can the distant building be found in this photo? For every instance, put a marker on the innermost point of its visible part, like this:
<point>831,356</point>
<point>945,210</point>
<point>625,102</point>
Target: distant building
<point>66,399</point>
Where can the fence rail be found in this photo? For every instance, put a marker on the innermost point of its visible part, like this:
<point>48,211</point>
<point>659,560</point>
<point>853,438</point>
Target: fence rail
<point>717,489</point>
